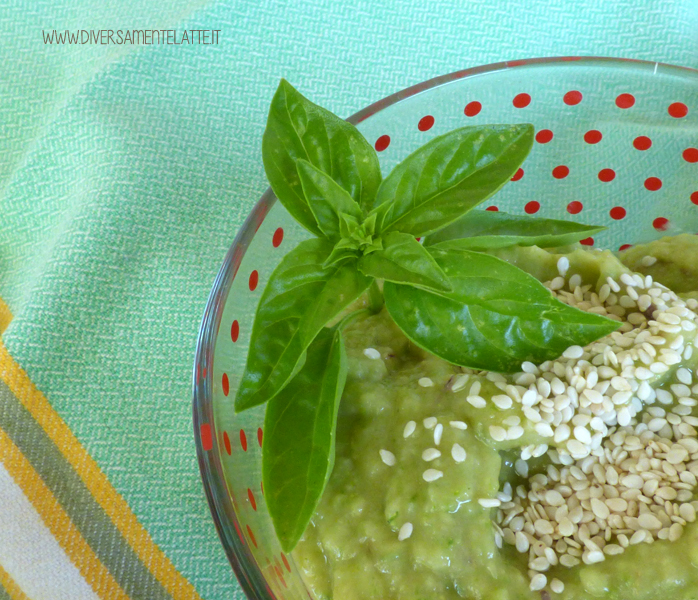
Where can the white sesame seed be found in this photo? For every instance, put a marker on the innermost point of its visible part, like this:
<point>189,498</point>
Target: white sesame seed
<point>573,352</point>
<point>648,261</point>
<point>557,586</point>
<point>432,475</point>
<point>498,434</point>
<point>438,432</point>
<point>387,457</point>
<point>538,582</point>
<point>476,401</point>
<point>684,376</point>
<point>544,430</point>
<point>514,433</point>
<point>430,422</point>
<point>563,264</point>
<point>649,521</point>
<point>425,382</point>
<point>521,467</point>
<point>372,353</point>
<point>459,382</point>
<point>405,532</point>
<point>489,502</point>
<point>458,424</point>
<point>410,426</point>
<point>430,454</point>
<point>458,453</point>
<point>502,401</point>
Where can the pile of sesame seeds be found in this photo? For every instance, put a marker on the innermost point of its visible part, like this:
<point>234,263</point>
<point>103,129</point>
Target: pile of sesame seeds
<point>623,453</point>
<point>624,466</point>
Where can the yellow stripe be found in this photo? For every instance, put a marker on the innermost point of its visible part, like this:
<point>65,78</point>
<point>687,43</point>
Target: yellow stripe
<point>96,481</point>
<point>5,315</point>
<point>58,522</point>
<point>10,586</point>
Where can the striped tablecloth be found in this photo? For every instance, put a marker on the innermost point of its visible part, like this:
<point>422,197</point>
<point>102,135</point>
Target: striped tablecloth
<point>125,171</point>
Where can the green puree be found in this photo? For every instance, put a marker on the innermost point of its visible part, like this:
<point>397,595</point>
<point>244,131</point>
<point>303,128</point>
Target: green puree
<point>351,549</point>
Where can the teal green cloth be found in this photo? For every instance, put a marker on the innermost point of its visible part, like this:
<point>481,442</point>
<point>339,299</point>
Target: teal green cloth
<point>126,172</point>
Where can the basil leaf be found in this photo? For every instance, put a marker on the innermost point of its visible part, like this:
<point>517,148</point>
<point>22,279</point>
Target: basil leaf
<point>495,318</point>
<point>404,260</point>
<point>299,299</point>
<point>327,200</point>
<point>488,230</point>
<point>299,437</point>
<point>297,128</point>
<point>450,175</point>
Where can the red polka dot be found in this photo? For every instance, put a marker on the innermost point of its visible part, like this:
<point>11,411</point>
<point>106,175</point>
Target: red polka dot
<point>425,123</point>
<point>532,207</point>
<point>690,155</point>
<point>694,197</point>
<point>225,383</point>
<point>587,241</point>
<point>625,247</point>
<point>678,110</point>
<point>575,207</point>
<point>243,440</point>
<point>593,136</point>
<point>642,142</point>
<point>237,528</point>
<point>607,175</point>
<point>285,561</point>
<point>254,280</point>
<point>254,541</point>
<point>660,223</point>
<point>472,108</point>
<point>234,331</point>
<point>617,213</point>
<point>382,143</point>
<point>492,209</point>
<point>226,443</point>
<point>518,175</point>
<point>278,237</point>
<point>544,136</point>
<point>572,98</point>
<point>260,436</point>
<point>522,100</point>
<point>625,100</point>
<point>560,172</point>
<point>653,183</point>
<point>206,437</point>
<point>251,498</point>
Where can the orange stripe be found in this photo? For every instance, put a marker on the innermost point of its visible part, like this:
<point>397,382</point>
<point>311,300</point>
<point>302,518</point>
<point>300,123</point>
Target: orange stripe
<point>96,481</point>
<point>12,589</point>
<point>5,315</point>
<point>58,522</point>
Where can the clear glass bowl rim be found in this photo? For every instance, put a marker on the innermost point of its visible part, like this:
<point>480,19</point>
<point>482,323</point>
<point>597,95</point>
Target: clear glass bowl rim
<point>210,466</point>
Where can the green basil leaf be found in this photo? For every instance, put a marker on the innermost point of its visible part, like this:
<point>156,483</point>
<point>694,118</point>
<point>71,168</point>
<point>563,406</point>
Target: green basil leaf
<point>404,260</point>
<point>297,128</point>
<point>300,298</point>
<point>488,230</point>
<point>299,437</point>
<point>327,200</point>
<point>450,175</point>
<point>495,318</point>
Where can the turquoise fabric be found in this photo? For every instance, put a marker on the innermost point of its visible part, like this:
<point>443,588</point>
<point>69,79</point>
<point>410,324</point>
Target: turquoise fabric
<point>126,172</point>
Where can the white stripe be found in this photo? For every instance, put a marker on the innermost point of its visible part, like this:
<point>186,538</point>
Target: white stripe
<point>30,554</point>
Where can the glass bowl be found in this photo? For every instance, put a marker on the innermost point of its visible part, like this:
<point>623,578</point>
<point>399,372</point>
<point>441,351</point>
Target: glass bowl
<point>616,145</point>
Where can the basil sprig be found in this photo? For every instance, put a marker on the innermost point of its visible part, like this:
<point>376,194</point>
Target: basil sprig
<point>467,307</point>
